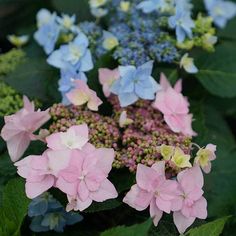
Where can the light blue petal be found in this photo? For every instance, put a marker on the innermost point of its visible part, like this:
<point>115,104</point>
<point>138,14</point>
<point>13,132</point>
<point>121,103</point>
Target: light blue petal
<point>180,33</point>
<point>127,99</point>
<point>86,62</point>
<point>81,39</point>
<point>144,70</point>
<point>56,59</point>
<point>147,6</point>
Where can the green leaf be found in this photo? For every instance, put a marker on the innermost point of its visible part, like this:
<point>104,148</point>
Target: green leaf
<point>217,71</point>
<point>165,228</point>
<point>103,206</point>
<point>14,209</point>
<point>213,228</point>
<point>35,78</point>
<point>134,230</point>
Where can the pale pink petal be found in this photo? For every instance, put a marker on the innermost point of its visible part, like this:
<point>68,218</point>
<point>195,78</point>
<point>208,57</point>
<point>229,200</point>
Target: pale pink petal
<point>80,130</point>
<point>182,222</point>
<point>178,86</point>
<point>155,212</point>
<point>195,194</point>
<point>165,84</point>
<point>105,192</point>
<point>105,158</point>
<point>207,168</point>
<point>34,189</point>
<point>54,141</point>
<point>146,177</point>
<point>159,167</point>
<point>23,166</point>
<point>81,205</point>
<point>200,208</point>
<point>163,205</point>
<point>67,187</point>
<point>77,98</point>
<point>17,146</point>
<point>29,106</point>
<point>58,160</point>
<point>94,101</point>
<point>137,198</point>
<point>212,148</point>
<point>83,191</point>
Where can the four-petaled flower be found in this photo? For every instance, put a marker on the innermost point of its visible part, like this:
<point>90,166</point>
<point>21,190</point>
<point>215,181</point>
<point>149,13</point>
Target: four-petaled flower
<point>135,83</point>
<point>74,56</point>
<point>154,190</point>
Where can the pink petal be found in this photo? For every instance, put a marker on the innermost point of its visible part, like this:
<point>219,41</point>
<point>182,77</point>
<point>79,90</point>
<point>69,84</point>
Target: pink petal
<point>182,222</point>
<point>80,205</point>
<point>200,208</point>
<point>105,192</point>
<point>137,198</point>
<point>163,205</point>
<point>155,212</point>
<point>207,168</point>
<point>159,167</point>
<point>165,84</point>
<point>69,188</point>
<point>34,189</point>
<point>17,146</point>
<point>80,130</point>
<point>178,86</point>
<point>212,148</point>
<point>83,191</point>
<point>146,177</point>
<point>54,141</point>
<point>29,106</point>
<point>23,166</point>
<point>105,157</point>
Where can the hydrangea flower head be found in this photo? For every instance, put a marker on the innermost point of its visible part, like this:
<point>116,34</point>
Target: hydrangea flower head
<point>106,78</point>
<point>174,106</point>
<point>109,40</point>
<point>205,156</point>
<point>85,178</point>
<point>125,6</point>
<point>48,31</point>
<point>193,204</point>
<point>83,94</point>
<point>221,11</point>
<point>182,23</point>
<point>73,56</point>
<point>66,82</point>
<point>154,190</point>
<point>187,63</point>
<point>19,128</point>
<point>18,41</point>
<point>135,83</point>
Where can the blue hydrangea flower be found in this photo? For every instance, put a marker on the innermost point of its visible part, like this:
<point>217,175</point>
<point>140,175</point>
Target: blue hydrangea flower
<point>48,214</point>
<point>48,32</point>
<point>66,83</point>
<point>221,11</point>
<point>135,83</point>
<point>156,5</point>
<point>74,56</point>
<point>182,23</point>
<point>109,40</point>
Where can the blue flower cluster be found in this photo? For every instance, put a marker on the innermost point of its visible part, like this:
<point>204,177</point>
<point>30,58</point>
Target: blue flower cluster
<point>142,37</point>
<point>73,57</point>
<point>48,214</point>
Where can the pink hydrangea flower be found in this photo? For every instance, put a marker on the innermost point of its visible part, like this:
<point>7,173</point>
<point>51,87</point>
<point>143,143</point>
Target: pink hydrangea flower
<point>194,205</point>
<point>38,175</point>
<point>83,94</point>
<point>85,178</point>
<point>205,156</point>
<point>107,78</point>
<point>74,138</point>
<point>174,107</point>
<point>154,190</point>
<point>19,128</point>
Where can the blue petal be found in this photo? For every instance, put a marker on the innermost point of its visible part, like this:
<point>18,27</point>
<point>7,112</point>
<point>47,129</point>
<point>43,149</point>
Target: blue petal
<point>127,99</point>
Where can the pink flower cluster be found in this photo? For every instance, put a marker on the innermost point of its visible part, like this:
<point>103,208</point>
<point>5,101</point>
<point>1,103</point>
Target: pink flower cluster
<point>174,107</point>
<point>73,165</point>
<point>19,128</point>
<point>183,197</point>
